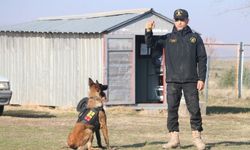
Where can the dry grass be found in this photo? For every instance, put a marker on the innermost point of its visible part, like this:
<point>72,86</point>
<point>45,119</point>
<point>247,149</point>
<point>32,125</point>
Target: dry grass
<point>218,68</point>
<point>227,126</point>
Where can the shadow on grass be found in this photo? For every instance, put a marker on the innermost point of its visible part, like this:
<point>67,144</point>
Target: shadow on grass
<point>136,145</point>
<point>208,145</point>
<point>139,145</point>
<point>226,110</point>
<point>224,143</point>
<point>228,143</point>
<point>27,114</point>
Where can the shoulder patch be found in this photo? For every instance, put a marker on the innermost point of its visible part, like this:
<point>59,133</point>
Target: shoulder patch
<point>193,39</point>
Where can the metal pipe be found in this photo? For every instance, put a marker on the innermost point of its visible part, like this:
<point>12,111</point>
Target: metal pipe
<point>240,70</point>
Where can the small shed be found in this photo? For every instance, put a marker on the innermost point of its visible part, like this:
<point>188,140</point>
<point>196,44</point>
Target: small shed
<point>49,60</point>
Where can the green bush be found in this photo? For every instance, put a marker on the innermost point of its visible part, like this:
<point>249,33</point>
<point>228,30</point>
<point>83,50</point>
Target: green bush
<point>228,78</point>
<point>246,78</point>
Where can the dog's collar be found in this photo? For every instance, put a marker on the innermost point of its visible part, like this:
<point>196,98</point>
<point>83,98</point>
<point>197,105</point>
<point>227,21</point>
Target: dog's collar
<point>95,98</point>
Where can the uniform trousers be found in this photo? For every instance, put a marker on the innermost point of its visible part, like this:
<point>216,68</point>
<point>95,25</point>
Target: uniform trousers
<point>191,95</point>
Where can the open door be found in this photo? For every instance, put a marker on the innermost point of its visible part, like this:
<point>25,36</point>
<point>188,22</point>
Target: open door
<point>120,69</point>
<point>149,73</point>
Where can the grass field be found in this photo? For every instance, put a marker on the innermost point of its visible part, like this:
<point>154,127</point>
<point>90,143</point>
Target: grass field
<point>226,127</point>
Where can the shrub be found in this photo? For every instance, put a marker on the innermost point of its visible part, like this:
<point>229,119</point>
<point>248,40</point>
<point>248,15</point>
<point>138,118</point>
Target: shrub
<point>246,78</point>
<point>228,78</point>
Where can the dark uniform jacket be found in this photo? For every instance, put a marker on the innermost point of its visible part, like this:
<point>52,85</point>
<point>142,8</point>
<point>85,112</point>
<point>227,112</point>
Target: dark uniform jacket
<point>185,55</point>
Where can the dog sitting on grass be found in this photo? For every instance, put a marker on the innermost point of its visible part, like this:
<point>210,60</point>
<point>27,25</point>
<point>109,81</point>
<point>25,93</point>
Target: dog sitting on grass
<point>92,117</point>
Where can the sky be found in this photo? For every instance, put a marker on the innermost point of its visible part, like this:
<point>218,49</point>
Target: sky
<point>226,21</point>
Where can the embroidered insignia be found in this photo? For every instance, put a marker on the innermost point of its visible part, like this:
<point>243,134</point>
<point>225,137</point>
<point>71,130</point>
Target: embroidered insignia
<point>89,116</point>
<point>192,39</point>
<point>172,40</point>
<point>179,13</point>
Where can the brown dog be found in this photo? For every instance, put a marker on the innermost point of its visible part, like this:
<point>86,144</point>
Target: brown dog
<point>82,107</point>
<point>81,136</point>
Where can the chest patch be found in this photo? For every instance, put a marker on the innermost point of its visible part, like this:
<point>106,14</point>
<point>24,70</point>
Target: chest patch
<point>193,39</point>
<point>89,115</point>
<point>173,40</point>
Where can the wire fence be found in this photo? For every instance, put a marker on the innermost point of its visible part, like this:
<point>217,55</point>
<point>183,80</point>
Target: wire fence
<point>228,74</point>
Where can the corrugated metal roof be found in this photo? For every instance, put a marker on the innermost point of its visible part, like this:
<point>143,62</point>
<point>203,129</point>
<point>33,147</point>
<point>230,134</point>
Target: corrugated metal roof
<point>83,25</point>
<point>92,23</point>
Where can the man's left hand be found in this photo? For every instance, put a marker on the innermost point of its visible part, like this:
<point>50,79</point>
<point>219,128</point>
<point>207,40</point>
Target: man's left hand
<point>200,85</point>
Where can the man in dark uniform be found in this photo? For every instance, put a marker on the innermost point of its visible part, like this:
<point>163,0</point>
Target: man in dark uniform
<point>186,62</point>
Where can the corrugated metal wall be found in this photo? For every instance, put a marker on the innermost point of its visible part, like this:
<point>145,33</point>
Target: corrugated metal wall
<point>50,68</point>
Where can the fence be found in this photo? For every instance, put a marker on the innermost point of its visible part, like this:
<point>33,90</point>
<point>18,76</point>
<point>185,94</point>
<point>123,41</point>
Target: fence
<point>228,74</point>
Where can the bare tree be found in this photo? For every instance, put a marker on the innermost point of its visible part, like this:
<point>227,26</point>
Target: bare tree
<point>209,45</point>
<point>244,7</point>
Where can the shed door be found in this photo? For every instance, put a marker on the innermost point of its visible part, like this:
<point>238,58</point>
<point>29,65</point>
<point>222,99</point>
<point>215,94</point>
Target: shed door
<point>121,69</point>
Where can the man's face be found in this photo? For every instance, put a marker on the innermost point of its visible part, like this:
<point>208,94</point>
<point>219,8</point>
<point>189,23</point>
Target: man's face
<point>180,23</point>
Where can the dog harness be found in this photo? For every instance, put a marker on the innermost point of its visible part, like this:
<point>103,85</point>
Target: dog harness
<point>82,105</point>
<point>89,116</point>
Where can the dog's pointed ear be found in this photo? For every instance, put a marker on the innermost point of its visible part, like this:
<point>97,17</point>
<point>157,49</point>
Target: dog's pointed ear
<point>97,82</point>
<point>104,87</point>
<point>99,85</point>
<point>91,82</point>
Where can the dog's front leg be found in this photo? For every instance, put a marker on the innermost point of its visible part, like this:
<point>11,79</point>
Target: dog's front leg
<point>98,137</point>
<point>104,128</point>
<point>105,135</point>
